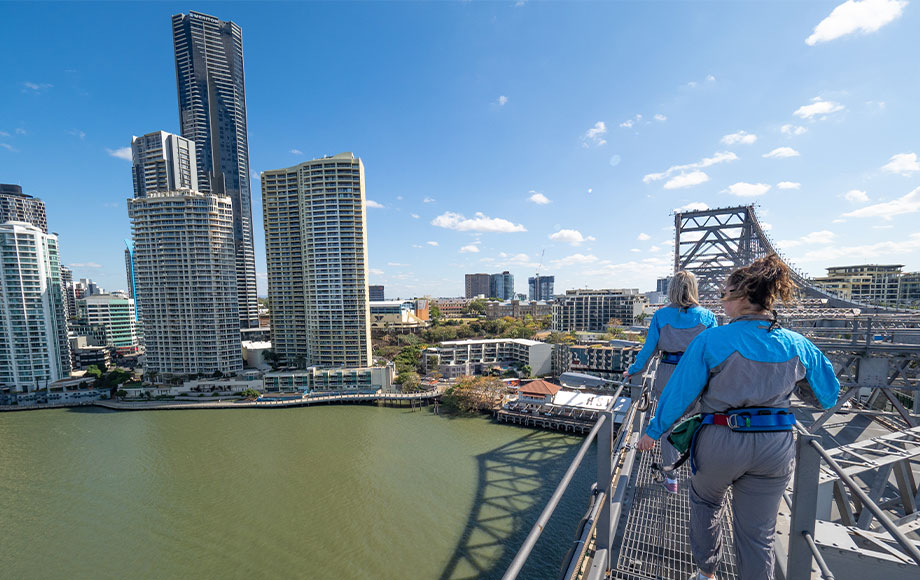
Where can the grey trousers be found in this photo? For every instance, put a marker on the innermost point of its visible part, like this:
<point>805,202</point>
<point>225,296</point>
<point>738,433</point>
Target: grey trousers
<point>669,455</point>
<point>758,467</point>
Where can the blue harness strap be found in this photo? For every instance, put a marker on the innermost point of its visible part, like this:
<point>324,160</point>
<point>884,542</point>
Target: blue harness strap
<point>671,358</point>
<point>748,420</point>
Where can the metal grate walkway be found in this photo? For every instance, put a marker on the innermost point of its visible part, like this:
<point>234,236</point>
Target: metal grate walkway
<point>654,540</point>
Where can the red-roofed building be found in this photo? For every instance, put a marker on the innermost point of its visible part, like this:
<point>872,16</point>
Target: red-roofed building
<point>538,391</point>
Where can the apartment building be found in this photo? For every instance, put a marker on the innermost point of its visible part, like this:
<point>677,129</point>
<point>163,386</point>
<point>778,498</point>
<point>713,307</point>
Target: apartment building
<point>592,310</point>
<point>185,282</point>
<point>316,253</point>
<point>457,358</point>
<point>34,350</point>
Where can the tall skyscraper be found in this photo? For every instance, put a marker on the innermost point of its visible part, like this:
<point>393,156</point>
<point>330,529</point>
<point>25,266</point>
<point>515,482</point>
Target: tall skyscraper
<point>501,286</point>
<point>212,113</point>
<point>129,275</point>
<point>163,162</point>
<point>15,206</point>
<point>376,293</point>
<point>541,287</point>
<point>476,284</point>
<point>185,282</point>
<point>316,250</point>
<point>33,329</point>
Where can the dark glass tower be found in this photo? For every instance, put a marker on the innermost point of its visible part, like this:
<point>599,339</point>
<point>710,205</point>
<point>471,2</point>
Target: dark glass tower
<point>212,113</point>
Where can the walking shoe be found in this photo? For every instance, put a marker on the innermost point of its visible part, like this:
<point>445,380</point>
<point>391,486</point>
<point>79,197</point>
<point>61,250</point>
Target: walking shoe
<point>699,576</point>
<point>670,485</point>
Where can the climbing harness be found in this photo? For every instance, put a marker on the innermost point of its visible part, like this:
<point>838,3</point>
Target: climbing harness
<point>747,420</point>
<point>671,358</point>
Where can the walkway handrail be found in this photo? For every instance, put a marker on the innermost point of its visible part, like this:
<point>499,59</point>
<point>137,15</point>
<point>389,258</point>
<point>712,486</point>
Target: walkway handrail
<point>524,552</point>
<point>883,519</point>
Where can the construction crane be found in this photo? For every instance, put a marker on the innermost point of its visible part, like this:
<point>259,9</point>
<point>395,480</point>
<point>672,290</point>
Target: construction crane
<point>540,265</point>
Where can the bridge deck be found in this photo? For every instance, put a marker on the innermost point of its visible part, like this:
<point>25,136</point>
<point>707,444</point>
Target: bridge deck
<point>653,539</point>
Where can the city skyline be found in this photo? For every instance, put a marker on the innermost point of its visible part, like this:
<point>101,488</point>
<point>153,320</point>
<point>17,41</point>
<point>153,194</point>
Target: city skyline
<point>781,105</point>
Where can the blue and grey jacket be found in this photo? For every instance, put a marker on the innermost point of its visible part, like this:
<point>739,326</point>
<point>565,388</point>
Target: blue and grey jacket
<point>671,330</point>
<point>745,364</point>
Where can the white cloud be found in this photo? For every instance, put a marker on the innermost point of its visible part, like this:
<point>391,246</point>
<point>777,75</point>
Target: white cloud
<point>502,101</point>
<point>792,130</point>
<point>903,163</point>
<point>399,197</point>
<point>718,157</point>
<point>432,243</point>
<point>372,203</point>
<point>397,265</point>
<point>121,153</point>
<point>856,196</point>
<point>781,153</point>
<point>821,237</point>
<point>575,259</point>
<point>414,215</point>
<point>9,147</point>
<point>854,16</point>
<point>4,134</point>
<point>296,151</point>
<point>376,271</point>
<point>742,189</point>
<point>856,254</point>
<point>595,134</point>
<point>78,133</point>
<point>788,185</point>
<point>686,180</point>
<point>428,200</point>
<point>480,223</point>
<point>538,198</point>
<point>909,203</point>
<point>643,237</point>
<point>627,124</point>
<point>692,206</point>
<point>711,78</point>
<point>817,107</point>
<point>573,237</point>
<point>661,118</point>
<point>742,137</point>
<point>21,131</point>
<point>470,249</point>
<point>85,265</point>
<point>31,87</point>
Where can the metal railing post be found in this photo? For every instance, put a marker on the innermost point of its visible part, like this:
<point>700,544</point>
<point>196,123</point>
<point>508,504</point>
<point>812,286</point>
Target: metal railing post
<point>804,507</point>
<point>604,538</point>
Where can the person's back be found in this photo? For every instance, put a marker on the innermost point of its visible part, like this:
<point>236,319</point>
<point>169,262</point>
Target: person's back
<point>743,375</point>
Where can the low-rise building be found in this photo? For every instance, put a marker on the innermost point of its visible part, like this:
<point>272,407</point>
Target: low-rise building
<point>344,380</point>
<point>539,392</point>
<point>253,354</point>
<point>456,358</point>
<point>87,356</point>
<point>453,307</point>
<point>518,309</point>
<point>70,391</point>
<point>399,315</point>
<point>605,360</point>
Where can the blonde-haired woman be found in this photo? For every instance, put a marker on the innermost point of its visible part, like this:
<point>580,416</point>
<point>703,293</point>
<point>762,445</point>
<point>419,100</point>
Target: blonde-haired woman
<point>670,332</point>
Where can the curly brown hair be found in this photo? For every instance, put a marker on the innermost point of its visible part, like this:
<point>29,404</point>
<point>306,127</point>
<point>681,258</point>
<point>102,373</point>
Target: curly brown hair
<point>762,282</point>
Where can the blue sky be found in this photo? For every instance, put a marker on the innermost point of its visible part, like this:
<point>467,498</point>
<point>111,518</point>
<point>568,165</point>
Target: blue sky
<point>497,133</point>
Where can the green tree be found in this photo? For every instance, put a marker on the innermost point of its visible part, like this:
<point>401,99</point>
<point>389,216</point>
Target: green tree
<point>121,394</point>
<point>434,313</point>
<point>472,394</point>
<point>251,394</point>
<point>94,371</point>
<point>476,307</point>
<point>410,381</point>
<point>525,371</point>
<point>272,358</point>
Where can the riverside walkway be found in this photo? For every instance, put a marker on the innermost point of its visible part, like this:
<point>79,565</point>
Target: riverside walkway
<point>378,397</point>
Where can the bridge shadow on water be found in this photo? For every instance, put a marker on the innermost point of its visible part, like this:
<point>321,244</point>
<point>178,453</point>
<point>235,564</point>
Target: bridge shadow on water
<point>515,481</point>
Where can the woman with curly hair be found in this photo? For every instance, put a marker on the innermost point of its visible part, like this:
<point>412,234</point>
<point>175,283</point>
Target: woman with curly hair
<point>743,375</point>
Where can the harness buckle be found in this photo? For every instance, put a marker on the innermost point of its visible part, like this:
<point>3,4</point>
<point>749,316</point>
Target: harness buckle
<point>733,418</point>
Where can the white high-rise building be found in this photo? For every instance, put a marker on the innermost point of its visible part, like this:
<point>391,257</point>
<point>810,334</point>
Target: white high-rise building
<point>185,282</point>
<point>33,327</point>
<point>163,162</point>
<point>316,250</point>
